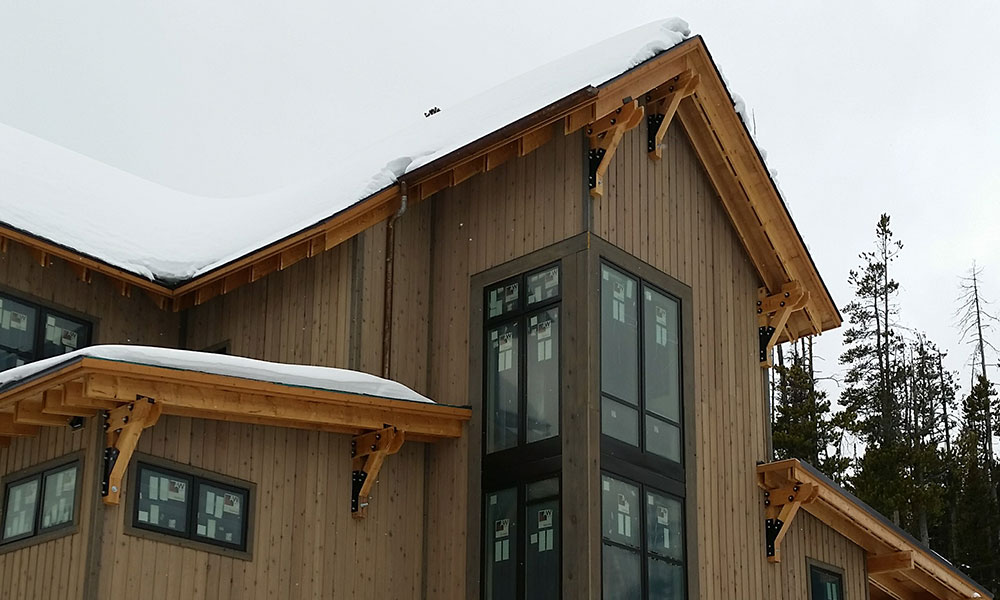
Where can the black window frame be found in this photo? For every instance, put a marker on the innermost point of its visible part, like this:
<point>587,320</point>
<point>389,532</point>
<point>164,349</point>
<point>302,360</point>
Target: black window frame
<point>523,451</point>
<point>638,456</point>
<point>40,472</point>
<point>645,486</point>
<point>196,477</point>
<point>38,336</point>
<point>814,565</point>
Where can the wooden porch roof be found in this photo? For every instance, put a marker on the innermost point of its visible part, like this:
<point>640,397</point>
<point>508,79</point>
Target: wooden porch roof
<point>706,110</point>
<point>899,566</point>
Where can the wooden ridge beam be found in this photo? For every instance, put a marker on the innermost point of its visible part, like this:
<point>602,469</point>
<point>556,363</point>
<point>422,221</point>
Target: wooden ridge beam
<point>368,453</point>
<point>605,134</point>
<point>123,426</point>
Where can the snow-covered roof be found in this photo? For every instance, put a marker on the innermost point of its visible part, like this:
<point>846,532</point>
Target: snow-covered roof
<point>302,376</point>
<point>160,233</point>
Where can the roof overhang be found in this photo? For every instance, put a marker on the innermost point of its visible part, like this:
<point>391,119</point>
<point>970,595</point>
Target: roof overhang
<point>899,566</point>
<point>130,398</point>
<point>718,133</point>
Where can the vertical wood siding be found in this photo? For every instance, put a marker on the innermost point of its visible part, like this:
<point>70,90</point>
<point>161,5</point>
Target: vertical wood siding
<point>668,214</point>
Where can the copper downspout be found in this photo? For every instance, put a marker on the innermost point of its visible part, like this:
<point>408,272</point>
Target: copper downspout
<point>390,252</point>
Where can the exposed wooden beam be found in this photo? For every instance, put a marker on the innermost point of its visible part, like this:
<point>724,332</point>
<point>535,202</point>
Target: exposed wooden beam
<point>30,412</point>
<point>780,507</point>
<point>661,106</point>
<point>368,453</point>
<point>123,426</point>
<point>10,428</point>
<point>885,563</point>
<point>773,312</point>
<point>605,134</point>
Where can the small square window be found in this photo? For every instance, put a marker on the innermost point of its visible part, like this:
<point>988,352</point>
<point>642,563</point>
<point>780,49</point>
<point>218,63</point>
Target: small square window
<point>220,514</point>
<point>163,500</point>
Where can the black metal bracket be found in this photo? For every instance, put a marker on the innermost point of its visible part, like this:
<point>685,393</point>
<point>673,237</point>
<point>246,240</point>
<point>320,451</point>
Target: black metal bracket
<point>652,126</point>
<point>110,458</point>
<point>357,481</point>
<point>595,156</point>
<point>771,529</point>
<point>765,333</point>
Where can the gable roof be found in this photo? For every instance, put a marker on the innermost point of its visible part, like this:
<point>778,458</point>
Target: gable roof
<point>185,249</point>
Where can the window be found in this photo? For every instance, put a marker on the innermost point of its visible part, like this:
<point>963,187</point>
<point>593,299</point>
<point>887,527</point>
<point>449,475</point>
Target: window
<point>642,447</point>
<point>522,541</point>
<point>643,541</point>
<point>29,332</point>
<point>640,365</point>
<point>825,584</point>
<point>522,360</point>
<point>40,502</point>
<point>193,506</point>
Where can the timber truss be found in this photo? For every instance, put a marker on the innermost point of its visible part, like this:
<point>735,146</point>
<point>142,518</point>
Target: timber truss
<point>129,399</point>
<point>773,312</point>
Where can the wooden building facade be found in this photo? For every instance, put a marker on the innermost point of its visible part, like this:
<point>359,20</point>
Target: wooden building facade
<point>640,204</point>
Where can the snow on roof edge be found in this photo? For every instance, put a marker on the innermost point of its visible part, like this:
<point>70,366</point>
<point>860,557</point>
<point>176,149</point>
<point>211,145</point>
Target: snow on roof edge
<point>329,379</point>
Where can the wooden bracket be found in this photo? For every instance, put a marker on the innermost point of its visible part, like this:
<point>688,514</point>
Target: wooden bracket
<point>661,106</point>
<point>123,425</point>
<point>773,312</point>
<point>605,134</point>
<point>780,507</point>
<point>368,452</point>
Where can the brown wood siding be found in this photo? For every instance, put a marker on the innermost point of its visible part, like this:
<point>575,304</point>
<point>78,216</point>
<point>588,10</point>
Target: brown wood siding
<point>305,543</point>
<point>117,319</point>
<point>668,214</point>
<point>810,538</point>
<point>56,568</point>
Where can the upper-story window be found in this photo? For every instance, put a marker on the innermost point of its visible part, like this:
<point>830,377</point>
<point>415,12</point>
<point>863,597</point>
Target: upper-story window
<point>29,332</point>
<point>640,365</point>
<point>522,359</point>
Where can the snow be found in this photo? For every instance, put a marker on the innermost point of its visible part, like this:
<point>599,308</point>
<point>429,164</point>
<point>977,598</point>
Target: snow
<point>322,378</point>
<point>168,235</point>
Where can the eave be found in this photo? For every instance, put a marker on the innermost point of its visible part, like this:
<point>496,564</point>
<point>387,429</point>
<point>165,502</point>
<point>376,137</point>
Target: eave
<point>717,132</point>
<point>899,567</point>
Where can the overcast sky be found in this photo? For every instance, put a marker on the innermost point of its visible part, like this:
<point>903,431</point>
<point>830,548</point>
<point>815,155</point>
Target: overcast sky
<point>862,107</point>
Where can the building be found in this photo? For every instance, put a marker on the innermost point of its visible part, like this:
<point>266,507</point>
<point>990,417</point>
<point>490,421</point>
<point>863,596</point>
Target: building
<point>585,272</point>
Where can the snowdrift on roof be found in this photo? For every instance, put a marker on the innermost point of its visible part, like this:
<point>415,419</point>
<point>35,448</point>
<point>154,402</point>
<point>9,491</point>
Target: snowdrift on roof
<point>305,376</point>
<point>160,233</point>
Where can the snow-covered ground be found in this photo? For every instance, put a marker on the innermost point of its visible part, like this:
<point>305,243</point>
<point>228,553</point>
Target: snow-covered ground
<point>160,233</point>
<point>322,378</point>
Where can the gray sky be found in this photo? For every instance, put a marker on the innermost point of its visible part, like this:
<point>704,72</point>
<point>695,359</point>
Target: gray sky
<point>862,107</point>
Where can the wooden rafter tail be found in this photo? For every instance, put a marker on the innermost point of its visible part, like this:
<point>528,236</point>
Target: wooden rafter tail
<point>9,427</point>
<point>368,453</point>
<point>123,426</point>
<point>780,507</point>
<point>4,442</point>
<point>661,106</point>
<point>605,134</point>
<point>773,312</point>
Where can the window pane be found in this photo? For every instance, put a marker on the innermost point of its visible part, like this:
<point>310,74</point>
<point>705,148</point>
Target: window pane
<point>163,500</point>
<point>19,516</point>
<point>502,299</point>
<point>664,526</point>
<point>826,585</point>
<point>619,336</point>
<point>619,421</point>
<point>501,388</point>
<point>543,375</point>
<point>220,514</point>
<point>666,580</point>
<point>661,355</point>
<point>17,333</point>
<point>543,548</point>
<point>501,544</point>
<point>543,285</point>
<point>63,335</point>
<point>620,578</point>
<point>663,438</point>
<point>620,511</point>
<point>60,497</point>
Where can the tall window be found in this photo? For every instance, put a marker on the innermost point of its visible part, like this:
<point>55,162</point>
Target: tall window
<point>522,360</point>
<point>642,487</point>
<point>521,485</point>
<point>30,332</point>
